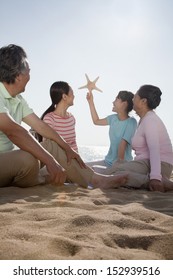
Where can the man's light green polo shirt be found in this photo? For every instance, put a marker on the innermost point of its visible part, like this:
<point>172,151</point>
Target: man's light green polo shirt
<point>17,108</point>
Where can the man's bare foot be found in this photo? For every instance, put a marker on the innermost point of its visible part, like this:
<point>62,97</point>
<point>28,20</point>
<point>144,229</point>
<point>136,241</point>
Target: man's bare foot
<point>105,181</point>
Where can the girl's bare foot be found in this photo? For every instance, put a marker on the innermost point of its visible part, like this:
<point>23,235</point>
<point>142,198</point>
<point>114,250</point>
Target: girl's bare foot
<point>105,181</point>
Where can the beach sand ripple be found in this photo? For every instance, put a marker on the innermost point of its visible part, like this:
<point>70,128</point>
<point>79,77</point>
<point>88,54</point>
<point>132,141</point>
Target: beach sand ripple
<point>69,222</point>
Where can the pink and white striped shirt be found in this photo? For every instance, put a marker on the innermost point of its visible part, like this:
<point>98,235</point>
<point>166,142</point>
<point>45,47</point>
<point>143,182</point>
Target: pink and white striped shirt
<point>65,127</point>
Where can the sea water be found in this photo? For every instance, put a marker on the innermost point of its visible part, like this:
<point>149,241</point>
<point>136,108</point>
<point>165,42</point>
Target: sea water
<point>93,153</point>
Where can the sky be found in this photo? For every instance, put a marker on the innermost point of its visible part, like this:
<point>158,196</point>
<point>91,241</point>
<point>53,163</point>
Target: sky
<point>127,43</point>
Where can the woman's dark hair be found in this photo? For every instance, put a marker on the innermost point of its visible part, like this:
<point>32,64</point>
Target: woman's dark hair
<point>57,90</point>
<point>126,96</point>
<point>12,63</point>
<point>152,94</point>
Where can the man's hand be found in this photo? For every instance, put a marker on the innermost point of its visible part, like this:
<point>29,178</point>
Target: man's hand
<point>71,154</point>
<point>57,173</point>
<point>156,185</point>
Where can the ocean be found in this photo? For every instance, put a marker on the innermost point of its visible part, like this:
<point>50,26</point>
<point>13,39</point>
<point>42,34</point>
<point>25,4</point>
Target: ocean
<point>93,153</point>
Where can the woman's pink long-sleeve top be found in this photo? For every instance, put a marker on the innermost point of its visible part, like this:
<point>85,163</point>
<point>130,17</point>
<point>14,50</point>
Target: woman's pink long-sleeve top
<point>151,141</point>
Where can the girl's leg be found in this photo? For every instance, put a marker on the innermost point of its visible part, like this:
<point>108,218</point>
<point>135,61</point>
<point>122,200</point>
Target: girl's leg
<point>95,163</point>
<point>82,176</point>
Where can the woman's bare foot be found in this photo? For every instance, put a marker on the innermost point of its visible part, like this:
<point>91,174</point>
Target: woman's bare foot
<point>168,184</point>
<point>105,181</point>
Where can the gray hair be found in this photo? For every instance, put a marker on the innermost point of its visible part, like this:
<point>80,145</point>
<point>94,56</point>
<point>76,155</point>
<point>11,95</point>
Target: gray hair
<point>12,63</point>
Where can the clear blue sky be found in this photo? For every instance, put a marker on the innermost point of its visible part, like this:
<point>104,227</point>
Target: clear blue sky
<point>127,43</point>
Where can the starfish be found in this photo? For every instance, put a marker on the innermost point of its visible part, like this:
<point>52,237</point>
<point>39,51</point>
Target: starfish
<point>91,85</point>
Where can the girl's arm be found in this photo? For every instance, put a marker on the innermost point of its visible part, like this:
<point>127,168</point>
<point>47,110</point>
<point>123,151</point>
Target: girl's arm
<point>128,134</point>
<point>94,115</point>
<point>121,149</point>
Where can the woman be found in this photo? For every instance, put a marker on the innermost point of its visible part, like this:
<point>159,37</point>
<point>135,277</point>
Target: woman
<point>63,122</point>
<point>57,116</point>
<point>121,128</point>
<point>153,164</point>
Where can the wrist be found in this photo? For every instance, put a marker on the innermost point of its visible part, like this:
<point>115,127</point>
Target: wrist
<point>65,146</point>
<point>154,181</point>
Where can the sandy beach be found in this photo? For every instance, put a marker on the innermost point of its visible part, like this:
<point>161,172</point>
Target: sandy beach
<point>73,223</point>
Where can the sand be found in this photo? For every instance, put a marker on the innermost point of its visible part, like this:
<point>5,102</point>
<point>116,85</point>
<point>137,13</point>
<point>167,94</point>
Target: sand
<point>73,223</point>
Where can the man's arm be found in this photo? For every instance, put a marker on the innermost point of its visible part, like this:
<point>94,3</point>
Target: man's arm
<point>46,131</point>
<point>25,141</point>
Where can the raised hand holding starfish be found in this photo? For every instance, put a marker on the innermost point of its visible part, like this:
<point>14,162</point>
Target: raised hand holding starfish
<point>91,85</point>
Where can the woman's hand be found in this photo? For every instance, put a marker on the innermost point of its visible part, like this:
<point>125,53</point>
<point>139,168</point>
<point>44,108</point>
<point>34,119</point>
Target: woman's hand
<point>156,185</point>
